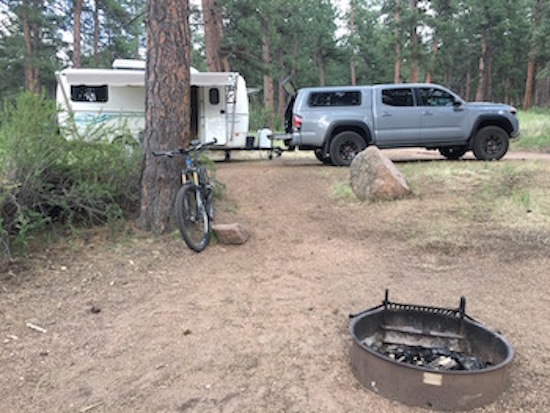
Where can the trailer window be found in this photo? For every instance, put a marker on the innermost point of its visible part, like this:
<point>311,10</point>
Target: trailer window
<point>214,96</point>
<point>337,98</point>
<point>83,93</point>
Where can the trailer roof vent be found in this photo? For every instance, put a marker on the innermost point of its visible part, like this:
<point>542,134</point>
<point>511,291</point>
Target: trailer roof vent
<point>129,64</point>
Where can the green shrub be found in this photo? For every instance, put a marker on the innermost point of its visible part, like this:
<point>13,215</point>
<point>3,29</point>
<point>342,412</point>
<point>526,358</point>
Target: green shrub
<point>46,179</point>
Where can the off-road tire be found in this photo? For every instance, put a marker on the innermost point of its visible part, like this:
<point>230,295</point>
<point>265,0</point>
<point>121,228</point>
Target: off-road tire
<point>321,156</point>
<point>490,143</point>
<point>345,146</point>
<point>193,221</point>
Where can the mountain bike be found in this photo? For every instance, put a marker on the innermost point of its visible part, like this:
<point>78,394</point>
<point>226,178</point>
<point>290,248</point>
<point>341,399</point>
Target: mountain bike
<point>194,200</point>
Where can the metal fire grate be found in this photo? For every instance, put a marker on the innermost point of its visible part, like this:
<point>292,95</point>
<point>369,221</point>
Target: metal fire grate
<point>428,356</point>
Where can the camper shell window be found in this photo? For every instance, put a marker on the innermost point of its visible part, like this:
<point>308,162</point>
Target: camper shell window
<point>84,93</point>
<point>336,98</point>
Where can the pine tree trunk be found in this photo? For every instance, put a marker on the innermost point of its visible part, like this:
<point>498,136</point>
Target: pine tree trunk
<point>489,76</point>
<point>481,69</point>
<point>397,62</point>
<point>531,62</point>
<point>432,62</point>
<point>268,78</point>
<point>77,60</point>
<point>29,75</point>
<point>413,74</point>
<point>96,33</point>
<point>352,44</point>
<point>36,35</point>
<point>167,109</point>
<point>321,63</point>
<point>281,92</point>
<point>211,45</point>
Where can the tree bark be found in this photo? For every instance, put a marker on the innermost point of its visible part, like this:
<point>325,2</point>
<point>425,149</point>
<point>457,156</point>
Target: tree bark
<point>433,60</point>
<point>352,44</point>
<point>36,35</point>
<point>213,35</point>
<point>96,33</point>
<point>531,63</point>
<point>77,59</point>
<point>268,78</point>
<point>481,67</point>
<point>413,74</point>
<point>167,109</point>
<point>321,63</point>
<point>280,91</point>
<point>397,62</point>
<point>29,73</point>
<point>488,76</point>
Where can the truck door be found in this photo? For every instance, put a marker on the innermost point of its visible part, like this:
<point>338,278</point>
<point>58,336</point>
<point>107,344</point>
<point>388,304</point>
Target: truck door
<point>214,116</point>
<point>397,119</point>
<point>443,116</point>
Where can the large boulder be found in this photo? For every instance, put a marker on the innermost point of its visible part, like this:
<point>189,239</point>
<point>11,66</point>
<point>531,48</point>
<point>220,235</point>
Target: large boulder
<point>375,177</point>
<point>232,234</point>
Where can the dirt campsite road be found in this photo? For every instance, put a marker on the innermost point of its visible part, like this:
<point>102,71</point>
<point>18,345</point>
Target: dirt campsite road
<point>145,325</point>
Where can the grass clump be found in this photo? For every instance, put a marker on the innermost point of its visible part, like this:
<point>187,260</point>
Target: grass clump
<point>46,180</point>
<point>535,130</point>
<point>495,200</point>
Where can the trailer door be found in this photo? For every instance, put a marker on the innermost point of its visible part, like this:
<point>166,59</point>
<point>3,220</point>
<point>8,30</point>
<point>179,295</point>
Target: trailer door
<point>214,114</point>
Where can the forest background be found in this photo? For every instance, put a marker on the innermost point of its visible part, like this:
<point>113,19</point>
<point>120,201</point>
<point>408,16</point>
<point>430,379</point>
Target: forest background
<point>483,49</point>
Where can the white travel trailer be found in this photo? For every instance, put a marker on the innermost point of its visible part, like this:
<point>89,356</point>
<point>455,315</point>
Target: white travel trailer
<point>113,100</point>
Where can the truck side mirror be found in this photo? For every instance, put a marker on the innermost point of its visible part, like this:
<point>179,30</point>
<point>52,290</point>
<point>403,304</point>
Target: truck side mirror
<point>458,104</point>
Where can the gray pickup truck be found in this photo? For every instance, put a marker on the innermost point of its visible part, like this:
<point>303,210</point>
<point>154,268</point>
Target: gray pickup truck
<point>339,122</point>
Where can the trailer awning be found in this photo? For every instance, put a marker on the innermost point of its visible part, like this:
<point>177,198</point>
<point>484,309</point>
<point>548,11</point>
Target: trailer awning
<point>211,79</point>
<point>97,77</point>
<point>119,77</point>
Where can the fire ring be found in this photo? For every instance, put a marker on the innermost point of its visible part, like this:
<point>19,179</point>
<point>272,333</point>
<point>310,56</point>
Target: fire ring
<point>431,357</point>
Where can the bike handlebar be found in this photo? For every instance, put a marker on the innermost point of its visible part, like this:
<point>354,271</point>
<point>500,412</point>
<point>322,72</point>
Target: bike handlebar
<point>193,146</point>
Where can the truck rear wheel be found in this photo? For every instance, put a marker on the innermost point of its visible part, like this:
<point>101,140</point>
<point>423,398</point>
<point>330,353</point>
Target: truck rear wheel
<point>321,156</point>
<point>490,143</point>
<point>453,152</point>
<point>345,146</point>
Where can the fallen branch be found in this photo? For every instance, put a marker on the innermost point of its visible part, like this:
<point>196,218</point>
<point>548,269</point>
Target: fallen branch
<point>36,328</point>
<point>90,407</point>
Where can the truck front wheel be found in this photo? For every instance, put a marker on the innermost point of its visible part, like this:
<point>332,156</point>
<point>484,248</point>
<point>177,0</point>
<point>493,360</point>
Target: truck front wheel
<point>490,143</point>
<point>345,146</point>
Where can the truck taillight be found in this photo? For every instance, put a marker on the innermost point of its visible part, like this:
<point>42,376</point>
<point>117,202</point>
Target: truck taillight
<point>513,111</point>
<point>297,122</point>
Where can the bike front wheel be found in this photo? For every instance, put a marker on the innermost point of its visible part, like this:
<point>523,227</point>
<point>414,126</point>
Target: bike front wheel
<point>193,221</point>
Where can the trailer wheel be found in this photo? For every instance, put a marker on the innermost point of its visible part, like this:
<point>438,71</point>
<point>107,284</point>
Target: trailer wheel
<point>345,146</point>
<point>128,143</point>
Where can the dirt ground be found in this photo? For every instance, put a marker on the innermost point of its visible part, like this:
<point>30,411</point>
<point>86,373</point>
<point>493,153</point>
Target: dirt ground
<point>143,324</point>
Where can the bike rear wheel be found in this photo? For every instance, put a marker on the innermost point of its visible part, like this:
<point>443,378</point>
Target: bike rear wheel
<point>193,221</point>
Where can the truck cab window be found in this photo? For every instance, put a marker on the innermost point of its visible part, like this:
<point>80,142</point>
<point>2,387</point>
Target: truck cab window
<point>397,97</point>
<point>84,93</point>
<point>214,96</point>
<point>429,96</point>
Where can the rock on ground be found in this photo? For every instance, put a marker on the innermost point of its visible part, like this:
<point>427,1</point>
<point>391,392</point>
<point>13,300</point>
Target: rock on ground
<point>374,177</point>
<point>232,234</point>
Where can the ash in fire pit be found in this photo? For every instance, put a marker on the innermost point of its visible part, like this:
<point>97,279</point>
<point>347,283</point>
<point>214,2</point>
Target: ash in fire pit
<point>428,356</point>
